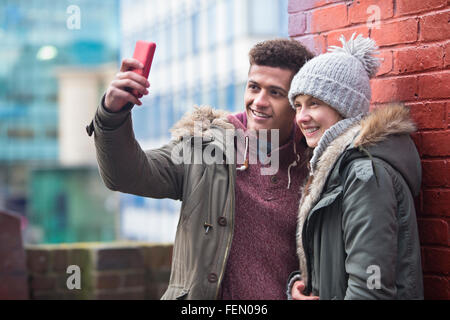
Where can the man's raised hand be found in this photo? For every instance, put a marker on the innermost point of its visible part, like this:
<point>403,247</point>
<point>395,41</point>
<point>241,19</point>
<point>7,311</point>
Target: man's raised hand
<point>120,90</point>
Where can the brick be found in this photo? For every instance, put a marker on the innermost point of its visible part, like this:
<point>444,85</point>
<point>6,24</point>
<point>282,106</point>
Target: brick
<point>435,27</point>
<point>61,281</point>
<point>42,282</point>
<point>386,62</point>
<point>437,260</point>
<point>417,59</point>
<point>436,202</point>
<point>436,143</point>
<point>158,257</point>
<point>12,254</point>
<point>333,36</point>
<point>397,32</point>
<point>362,10</point>
<point>14,286</point>
<point>428,115</point>
<point>121,258</point>
<point>135,280</point>
<point>108,281</point>
<point>415,6</point>
<point>434,86</point>
<point>448,112</point>
<point>60,260</point>
<point>123,294</point>
<point>45,295</point>
<point>433,231</point>
<point>394,89</point>
<point>447,54</point>
<point>329,18</point>
<point>436,288</point>
<point>38,260</point>
<point>297,24</point>
<point>314,43</point>
<point>436,173</point>
<point>296,6</point>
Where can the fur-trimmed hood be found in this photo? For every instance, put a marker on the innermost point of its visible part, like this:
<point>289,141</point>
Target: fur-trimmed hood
<point>199,122</point>
<point>384,134</point>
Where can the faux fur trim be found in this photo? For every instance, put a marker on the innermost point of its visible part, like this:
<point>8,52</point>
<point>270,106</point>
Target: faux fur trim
<point>374,128</point>
<point>312,194</point>
<point>382,122</point>
<point>199,122</point>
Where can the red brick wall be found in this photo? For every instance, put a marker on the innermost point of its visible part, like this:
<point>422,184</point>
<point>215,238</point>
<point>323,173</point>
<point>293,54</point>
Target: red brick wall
<point>414,40</point>
<point>118,271</point>
<point>13,273</point>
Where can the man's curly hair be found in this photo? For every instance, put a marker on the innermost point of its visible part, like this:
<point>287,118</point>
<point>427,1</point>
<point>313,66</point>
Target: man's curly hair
<point>280,53</point>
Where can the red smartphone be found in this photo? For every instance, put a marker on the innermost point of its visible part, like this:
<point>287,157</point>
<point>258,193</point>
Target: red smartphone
<point>144,52</point>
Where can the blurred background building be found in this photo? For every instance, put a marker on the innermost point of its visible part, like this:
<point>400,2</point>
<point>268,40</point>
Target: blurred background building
<point>58,56</point>
<point>52,72</point>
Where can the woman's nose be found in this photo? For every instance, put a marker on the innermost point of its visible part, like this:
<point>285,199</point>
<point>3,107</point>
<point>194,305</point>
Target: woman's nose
<point>302,116</point>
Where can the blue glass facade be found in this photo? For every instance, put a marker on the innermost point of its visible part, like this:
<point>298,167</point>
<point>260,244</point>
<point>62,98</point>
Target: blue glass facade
<point>37,37</point>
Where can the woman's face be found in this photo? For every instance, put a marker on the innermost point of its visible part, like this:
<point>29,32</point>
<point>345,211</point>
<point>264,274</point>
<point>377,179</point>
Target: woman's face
<point>314,117</point>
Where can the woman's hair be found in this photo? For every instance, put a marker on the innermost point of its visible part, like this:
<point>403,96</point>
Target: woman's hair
<point>280,53</point>
<point>307,155</point>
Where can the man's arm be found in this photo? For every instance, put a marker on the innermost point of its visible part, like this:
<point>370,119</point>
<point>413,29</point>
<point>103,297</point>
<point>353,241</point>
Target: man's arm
<point>124,166</point>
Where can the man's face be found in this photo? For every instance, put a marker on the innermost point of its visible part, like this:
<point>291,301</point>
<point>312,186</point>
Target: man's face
<point>266,100</point>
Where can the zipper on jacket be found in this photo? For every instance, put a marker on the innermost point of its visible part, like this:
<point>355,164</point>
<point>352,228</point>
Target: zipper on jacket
<point>227,249</point>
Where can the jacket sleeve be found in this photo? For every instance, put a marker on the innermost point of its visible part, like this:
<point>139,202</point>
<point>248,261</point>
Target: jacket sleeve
<point>370,231</point>
<point>125,167</point>
<point>293,277</point>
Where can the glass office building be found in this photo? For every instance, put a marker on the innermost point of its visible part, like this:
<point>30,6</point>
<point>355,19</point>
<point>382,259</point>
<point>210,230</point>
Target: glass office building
<point>36,38</point>
<point>201,58</point>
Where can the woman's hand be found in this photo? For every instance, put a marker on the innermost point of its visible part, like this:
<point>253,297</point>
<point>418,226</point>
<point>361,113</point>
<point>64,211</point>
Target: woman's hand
<point>297,292</point>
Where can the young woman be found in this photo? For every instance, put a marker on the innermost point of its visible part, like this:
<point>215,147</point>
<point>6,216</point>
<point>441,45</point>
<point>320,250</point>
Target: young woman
<point>357,234</point>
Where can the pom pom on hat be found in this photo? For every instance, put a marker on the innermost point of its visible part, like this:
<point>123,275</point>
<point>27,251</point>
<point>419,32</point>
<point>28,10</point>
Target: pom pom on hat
<point>362,49</point>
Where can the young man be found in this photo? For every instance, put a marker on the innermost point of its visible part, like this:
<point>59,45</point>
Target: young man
<point>237,225</point>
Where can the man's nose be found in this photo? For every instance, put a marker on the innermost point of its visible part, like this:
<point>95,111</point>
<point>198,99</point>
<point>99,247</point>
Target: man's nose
<point>261,100</point>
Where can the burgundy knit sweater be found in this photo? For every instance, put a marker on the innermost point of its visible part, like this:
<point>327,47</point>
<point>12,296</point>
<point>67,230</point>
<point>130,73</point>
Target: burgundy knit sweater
<point>263,250</point>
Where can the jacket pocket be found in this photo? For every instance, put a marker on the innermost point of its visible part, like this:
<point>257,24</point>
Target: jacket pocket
<point>194,199</point>
<point>327,199</point>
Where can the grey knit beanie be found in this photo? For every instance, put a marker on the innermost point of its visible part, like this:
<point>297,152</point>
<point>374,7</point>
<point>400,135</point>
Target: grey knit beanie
<point>340,77</point>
